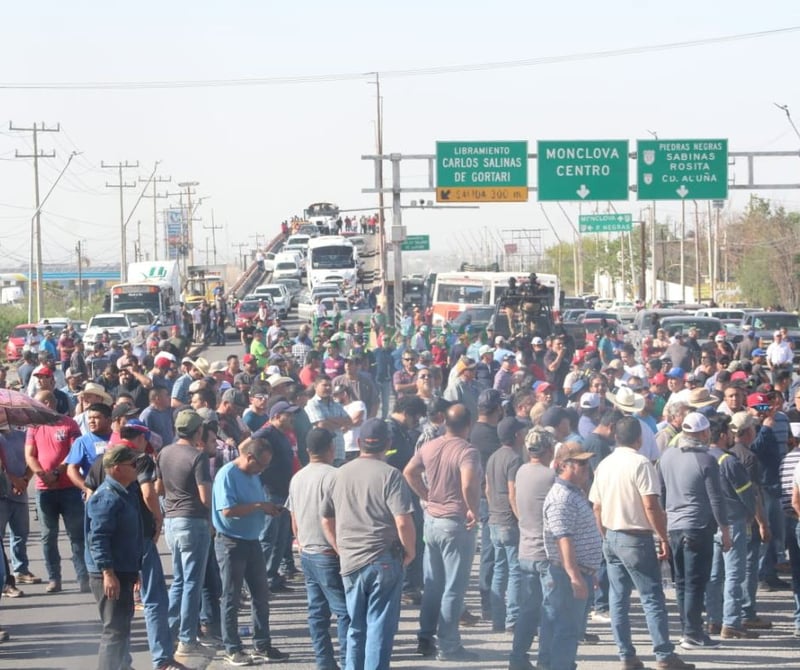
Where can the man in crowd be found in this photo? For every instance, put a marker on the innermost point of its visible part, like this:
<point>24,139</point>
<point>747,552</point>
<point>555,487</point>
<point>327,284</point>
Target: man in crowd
<point>324,412</point>
<point>501,472</point>
<point>89,447</point>
<point>452,468</point>
<point>573,547</point>
<point>695,509</point>
<point>367,519</point>
<point>114,548</point>
<point>46,448</point>
<point>237,511</point>
<point>321,566</point>
<point>158,415</point>
<point>625,493</point>
<point>276,534</point>
<point>360,383</point>
<point>186,479</point>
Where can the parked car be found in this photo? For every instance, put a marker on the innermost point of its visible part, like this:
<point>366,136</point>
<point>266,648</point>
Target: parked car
<point>624,309</point>
<point>116,323</point>
<point>287,265</point>
<point>603,304</point>
<point>308,229</point>
<point>280,297</point>
<point>765,324</point>
<point>572,315</point>
<point>724,314</point>
<point>294,287</point>
<point>705,325</point>
<point>16,341</point>
<point>573,302</point>
<point>247,309</point>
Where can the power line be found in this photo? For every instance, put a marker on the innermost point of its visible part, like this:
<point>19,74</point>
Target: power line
<point>394,74</point>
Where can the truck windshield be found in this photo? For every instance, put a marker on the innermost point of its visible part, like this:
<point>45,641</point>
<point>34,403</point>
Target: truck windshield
<point>773,322</point>
<point>334,257</point>
<point>136,300</point>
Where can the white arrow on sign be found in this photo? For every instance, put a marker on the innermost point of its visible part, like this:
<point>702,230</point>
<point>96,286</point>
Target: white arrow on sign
<point>583,191</point>
<point>682,191</point>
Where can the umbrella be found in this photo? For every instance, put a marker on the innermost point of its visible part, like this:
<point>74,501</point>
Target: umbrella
<point>18,409</point>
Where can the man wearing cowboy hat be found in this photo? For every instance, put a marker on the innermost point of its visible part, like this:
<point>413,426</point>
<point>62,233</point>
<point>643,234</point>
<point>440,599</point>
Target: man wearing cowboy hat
<point>91,393</point>
<point>630,403</point>
<point>463,388</point>
<point>193,371</point>
<point>695,510</point>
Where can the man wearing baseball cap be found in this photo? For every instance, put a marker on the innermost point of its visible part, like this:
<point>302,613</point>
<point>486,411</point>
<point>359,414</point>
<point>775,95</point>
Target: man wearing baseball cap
<point>573,547</point>
<point>625,494</point>
<point>695,510</point>
<point>367,519</point>
<point>501,472</point>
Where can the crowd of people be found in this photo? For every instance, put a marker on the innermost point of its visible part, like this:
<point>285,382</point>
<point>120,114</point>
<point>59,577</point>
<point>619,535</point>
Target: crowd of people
<point>386,456</point>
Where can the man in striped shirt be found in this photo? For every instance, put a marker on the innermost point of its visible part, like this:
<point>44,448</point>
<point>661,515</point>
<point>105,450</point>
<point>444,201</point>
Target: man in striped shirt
<point>574,551</point>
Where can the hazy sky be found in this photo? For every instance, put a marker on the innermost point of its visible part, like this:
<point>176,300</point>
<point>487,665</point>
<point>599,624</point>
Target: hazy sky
<point>264,152</point>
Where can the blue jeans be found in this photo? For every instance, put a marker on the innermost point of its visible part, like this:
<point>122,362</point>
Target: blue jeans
<point>14,516</point>
<point>325,594</point>
<point>751,574</point>
<point>372,594</point>
<point>385,390</point>
<point>530,610</point>
<point>412,582</point>
<point>68,504</point>
<point>793,545</point>
<point>275,537</point>
<point>773,551</point>
<point>189,540</point>
<point>242,561</point>
<point>506,578</point>
<point>566,615</point>
<point>486,567</point>
<point>212,592</point>
<point>601,592</point>
<point>725,592</point>
<point>155,598</point>
<point>631,562</point>
<point>692,551</point>
<point>449,548</point>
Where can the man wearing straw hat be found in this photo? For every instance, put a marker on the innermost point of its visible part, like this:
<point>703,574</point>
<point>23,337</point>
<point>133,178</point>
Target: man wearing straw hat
<point>630,403</point>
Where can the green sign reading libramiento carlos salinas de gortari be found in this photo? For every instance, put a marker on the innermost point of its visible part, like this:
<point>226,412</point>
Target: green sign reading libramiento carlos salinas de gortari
<point>482,171</point>
<point>582,170</point>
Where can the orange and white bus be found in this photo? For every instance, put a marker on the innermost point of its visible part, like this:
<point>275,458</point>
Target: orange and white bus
<point>455,292</point>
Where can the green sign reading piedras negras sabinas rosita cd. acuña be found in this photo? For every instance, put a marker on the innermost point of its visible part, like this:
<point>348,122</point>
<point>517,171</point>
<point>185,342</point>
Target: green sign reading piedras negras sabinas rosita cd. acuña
<point>680,169</point>
<point>416,243</point>
<point>482,171</point>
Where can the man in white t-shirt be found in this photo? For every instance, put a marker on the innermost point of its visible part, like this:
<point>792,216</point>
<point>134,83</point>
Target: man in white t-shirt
<point>357,411</point>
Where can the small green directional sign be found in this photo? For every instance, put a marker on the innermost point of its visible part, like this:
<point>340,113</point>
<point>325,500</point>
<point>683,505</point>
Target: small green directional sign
<point>416,243</point>
<point>605,223</point>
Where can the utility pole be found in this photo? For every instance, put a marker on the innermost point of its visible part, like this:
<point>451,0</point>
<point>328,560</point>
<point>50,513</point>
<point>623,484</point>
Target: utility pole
<point>241,255</point>
<point>80,279</point>
<point>188,185</point>
<point>36,228</point>
<point>257,237</point>
<point>213,228</point>
<point>121,185</point>
<point>155,196</point>
<point>398,235</point>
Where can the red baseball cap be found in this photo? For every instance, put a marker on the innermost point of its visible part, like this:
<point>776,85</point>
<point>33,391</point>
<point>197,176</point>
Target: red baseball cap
<point>757,399</point>
<point>658,378</point>
<point>247,358</point>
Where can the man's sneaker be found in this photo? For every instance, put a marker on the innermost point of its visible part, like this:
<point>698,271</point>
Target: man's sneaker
<point>673,662</point>
<point>757,623</point>
<point>26,578</point>
<point>601,617</point>
<point>590,638</point>
<point>774,584</point>
<point>53,586</point>
<point>281,588</point>
<point>12,592</point>
<point>173,665</point>
<point>632,663</point>
<point>469,619</point>
<point>210,641</point>
<point>412,597</point>
<point>521,665</point>
<point>426,647</point>
<point>192,649</point>
<point>238,658</point>
<point>459,654</point>
<point>732,633</point>
<point>703,642</point>
<point>268,653</point>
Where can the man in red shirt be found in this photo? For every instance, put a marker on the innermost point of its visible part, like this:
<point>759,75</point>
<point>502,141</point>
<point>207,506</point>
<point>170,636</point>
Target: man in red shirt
<point>46,447</point>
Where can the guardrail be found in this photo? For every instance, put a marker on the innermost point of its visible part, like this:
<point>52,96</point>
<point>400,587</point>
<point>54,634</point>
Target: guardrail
<point>242,285</point>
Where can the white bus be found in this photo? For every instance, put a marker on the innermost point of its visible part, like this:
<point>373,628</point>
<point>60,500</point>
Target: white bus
<point>331,258</point>
<point>455,292</point>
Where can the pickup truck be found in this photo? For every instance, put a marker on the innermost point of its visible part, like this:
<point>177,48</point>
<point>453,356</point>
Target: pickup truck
<point>765,324</point>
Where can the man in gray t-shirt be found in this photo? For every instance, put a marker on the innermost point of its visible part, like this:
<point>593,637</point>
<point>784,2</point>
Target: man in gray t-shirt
<point>367,518</point>
<point>321,570</point>
<point>533,481</point>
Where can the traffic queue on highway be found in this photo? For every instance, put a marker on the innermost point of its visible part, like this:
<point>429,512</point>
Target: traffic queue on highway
<point>388,452</point>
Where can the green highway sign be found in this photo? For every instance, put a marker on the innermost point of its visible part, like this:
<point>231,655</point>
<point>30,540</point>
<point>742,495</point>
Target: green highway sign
<point>582,170</point>
<point>416,243</point>
<point>481,171</point>
<point>605,223</point>
<point>679,169</point>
